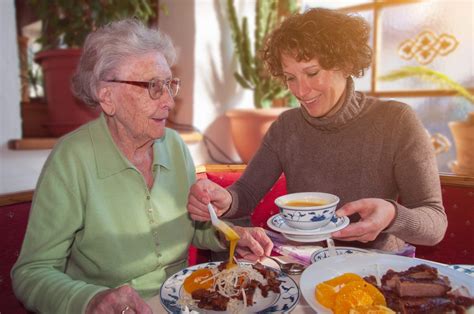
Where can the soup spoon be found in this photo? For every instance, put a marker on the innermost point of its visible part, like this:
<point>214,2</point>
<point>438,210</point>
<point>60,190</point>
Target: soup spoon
<point>289,268</point>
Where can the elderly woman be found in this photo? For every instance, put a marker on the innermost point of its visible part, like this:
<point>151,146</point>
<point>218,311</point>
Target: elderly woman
<point>108,222</point>
<point>373,154</point>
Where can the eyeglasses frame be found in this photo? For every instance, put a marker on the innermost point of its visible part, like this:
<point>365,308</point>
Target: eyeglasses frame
<point>147,85</point>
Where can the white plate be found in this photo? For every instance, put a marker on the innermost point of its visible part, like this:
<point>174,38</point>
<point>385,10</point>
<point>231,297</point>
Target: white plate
<point>288,297</point>
<point>321,254</point>
<point>277,223</point>
<point>368,264</point>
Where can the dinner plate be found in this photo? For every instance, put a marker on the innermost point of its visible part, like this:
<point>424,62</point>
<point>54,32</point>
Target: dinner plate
<point>172,290</point>
<point>277,223</point>
<point>369,264</point>
<point>340,250</point>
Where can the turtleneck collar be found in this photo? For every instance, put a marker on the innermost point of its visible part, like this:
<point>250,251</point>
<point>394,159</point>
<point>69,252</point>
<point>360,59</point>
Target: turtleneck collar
<point>353,104</point>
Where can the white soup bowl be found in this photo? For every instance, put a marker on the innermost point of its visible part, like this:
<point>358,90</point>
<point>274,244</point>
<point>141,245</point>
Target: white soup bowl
<point>307,210</point>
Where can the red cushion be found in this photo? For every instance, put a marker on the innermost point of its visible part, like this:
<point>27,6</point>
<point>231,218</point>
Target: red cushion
<point>266,208</point>
<point>457,247</point>
<point>13,221</point>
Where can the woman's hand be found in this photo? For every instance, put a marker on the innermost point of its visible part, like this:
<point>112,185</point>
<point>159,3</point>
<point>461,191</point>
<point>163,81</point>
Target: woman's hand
<point>375,215</point>
<point>121,300</point>
<point>253,244</point>
<point>201,193</point>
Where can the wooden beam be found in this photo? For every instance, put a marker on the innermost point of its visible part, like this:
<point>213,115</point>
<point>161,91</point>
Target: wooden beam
<point>456,180</point>
<point>49,142</point>
<point>15,198</point>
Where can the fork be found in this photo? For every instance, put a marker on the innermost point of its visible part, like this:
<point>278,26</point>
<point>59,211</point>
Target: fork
<point>229,233</point>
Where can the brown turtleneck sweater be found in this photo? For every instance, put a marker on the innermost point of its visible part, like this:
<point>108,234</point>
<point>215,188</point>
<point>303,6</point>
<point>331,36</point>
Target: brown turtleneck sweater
<point>368,149</point>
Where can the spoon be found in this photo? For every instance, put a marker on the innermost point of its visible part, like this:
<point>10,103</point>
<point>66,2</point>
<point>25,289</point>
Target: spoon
<point>229,233</point>
<point>221,225</point>
<point>289,268</point>
<point>331,247</point>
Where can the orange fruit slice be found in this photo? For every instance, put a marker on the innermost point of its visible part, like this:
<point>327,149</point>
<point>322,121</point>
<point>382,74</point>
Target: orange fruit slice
<point>325,294</point>
<point>349,292</point>
<point>350,300</point>
<point>372,291</point>
<point>199,279</point>
<point>343,279</point>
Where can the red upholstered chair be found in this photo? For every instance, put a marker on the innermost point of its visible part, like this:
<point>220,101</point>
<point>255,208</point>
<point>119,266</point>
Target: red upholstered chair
<point>13,221</point>
<point>457,247</point>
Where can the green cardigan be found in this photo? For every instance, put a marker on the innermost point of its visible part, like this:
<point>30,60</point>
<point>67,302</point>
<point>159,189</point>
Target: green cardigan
<point>95,225</point>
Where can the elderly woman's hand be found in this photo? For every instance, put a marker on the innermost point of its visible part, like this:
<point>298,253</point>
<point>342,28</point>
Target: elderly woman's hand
<point>121,300</point>
<point>253,244</point>
<point>201,193</point>
<point>375,215</point>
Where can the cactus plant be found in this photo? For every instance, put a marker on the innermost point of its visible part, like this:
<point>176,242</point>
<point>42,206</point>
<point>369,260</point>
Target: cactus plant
<point>251,74</point>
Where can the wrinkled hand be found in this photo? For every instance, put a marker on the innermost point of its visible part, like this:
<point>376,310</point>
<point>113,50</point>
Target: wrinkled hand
<point>116,301</point>
<point>253,244</point>
<point>201,193</point>
<point>375,215</point>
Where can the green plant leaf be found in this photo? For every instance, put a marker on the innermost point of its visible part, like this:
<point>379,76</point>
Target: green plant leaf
<point>428,75</point>
<point>67,23</point>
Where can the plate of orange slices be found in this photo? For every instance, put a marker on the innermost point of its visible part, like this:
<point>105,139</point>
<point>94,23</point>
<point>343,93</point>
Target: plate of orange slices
<point>336,284</point>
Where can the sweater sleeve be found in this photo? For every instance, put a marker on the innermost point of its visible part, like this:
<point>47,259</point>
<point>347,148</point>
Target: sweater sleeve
<point>38,277</point>
<point>259,176</point>
<point>420,217</point>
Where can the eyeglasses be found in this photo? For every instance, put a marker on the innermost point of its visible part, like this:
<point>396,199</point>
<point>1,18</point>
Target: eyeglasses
<point>155,86</point>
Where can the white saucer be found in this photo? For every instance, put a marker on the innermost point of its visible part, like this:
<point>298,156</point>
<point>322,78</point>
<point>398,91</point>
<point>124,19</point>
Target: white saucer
<point>277,223</point>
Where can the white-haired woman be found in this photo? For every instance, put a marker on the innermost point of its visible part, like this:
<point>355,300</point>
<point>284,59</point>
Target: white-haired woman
<point>108,221</point>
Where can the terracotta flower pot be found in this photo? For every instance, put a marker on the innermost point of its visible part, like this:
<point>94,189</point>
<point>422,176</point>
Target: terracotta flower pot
<point>65,112</point>
<point>463,134</point>
<point>248,126</point>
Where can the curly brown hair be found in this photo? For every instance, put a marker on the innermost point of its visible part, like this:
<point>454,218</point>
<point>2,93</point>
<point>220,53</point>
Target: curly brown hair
<point>336,40</point>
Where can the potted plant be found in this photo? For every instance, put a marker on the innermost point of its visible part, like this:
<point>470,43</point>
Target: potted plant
<point>462,131</point>
<point>65,25</point>
<point>270,97</point>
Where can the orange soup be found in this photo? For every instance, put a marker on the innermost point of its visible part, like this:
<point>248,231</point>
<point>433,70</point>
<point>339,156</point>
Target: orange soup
<point>309,203</point>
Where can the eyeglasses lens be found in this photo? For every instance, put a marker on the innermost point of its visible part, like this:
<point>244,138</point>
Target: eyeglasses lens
<point>156,87</point>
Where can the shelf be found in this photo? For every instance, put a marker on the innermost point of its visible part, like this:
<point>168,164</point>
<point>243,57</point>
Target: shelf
<point>48,142</point>
<point>16,198</point>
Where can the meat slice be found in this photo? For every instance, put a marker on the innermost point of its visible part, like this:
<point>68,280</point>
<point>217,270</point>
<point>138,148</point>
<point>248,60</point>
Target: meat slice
<point>406,286</point>
<point>420,289</point>
<point>421,272</point>
<point>426,305</point>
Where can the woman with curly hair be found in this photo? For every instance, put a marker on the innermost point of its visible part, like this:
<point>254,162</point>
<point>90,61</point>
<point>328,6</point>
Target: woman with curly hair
<point>374,154</point>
